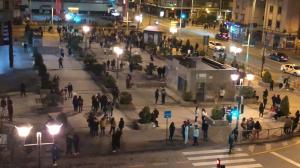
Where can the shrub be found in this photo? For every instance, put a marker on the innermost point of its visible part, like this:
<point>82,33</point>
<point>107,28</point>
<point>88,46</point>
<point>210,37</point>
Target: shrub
<point>89,60</point>
<point>125,98</point>
<point>42,69</point>
<point>247,91</point>
<point>62,118</point>
<point>285,106</point>
<point>109,82</point>
<point>267,77</point>
<point>97,69</point>
<point>135,59</point>
<point>38,59</point>
<point>187,96</point>
<point>145,115</point>
<point>52,99</point>
<point>217,113</point>
<point>45,82</point>
<point>150,68</point>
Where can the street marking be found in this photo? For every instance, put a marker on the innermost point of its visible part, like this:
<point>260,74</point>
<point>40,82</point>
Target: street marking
<point>286,159</point>
<point>160,164</point>
<point>210,151</point>
<point>268,147</point>
<point>223,162</point>
<point>251,148</point>
<point>218,156</point>
<point>136,166</point>
<point>285,143</point>
<point>276,149</point>
<point>246,166</point>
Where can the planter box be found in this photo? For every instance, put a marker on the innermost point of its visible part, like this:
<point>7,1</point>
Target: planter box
<point>125,106</point>
<point>220,123</point>
<point>263,84</point>
<point>250,101</point>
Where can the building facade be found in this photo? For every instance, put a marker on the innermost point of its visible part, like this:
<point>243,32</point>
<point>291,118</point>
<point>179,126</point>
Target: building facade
<point>242,18</point>
<point>202,80</point>
<point>282,23</point>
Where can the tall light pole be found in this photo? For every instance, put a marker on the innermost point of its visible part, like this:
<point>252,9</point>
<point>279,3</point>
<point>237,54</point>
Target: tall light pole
<point>53,129</point>
<point>118,52</point>
<point>250,31</point>
<point>180,21</point>
<point>192,9</point>
<point>85,30</point>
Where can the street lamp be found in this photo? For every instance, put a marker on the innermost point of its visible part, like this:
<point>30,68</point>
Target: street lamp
<point>23,132</point>
<point>139,19</point>
<point>118,51</point>
<point>85,30</point>
<point>250,77</point>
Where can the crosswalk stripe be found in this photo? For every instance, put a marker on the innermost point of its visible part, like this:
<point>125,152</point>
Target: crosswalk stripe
<point>286,159</point>
<point>210,151</point>
<point>251,148</point>
<point>218,156</point>
<point>224,162</point>
<point>245,166</point>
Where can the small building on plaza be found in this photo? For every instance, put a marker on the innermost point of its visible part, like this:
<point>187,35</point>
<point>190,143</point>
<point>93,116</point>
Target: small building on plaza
<point>202,77</point>
<point>153,34</point>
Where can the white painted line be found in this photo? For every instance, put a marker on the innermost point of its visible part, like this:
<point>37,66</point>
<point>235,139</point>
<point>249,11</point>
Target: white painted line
<point>286,159</point>
<point>218,156</point>
<point>245,166</point>
<point>251,148</point>
<point>268,146</point>
<point>210,151</point>
<point>224,162</point>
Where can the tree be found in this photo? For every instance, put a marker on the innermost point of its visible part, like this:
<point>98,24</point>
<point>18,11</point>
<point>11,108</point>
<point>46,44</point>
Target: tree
<point>145,115</point>
<point>285,106</point>
<point>267,77</point>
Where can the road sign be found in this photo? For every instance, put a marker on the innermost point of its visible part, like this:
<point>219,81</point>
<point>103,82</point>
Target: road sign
<point>168,114</point>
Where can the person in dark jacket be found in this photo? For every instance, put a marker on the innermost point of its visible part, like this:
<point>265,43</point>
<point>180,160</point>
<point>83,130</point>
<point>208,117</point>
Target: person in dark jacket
<point>171,131</point>
<point>205,129</point>
<point>121,124</point>
<point>261,109</point>
<point>76,144</point>
<point>23,89</point>
<point>75,103</point>
<point>55,154</point>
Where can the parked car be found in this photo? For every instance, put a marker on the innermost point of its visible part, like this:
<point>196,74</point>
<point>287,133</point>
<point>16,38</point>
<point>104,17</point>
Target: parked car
<point>291,69</point>
<point>278,56</point>
<point>216,46</point>
<point>222,36</point>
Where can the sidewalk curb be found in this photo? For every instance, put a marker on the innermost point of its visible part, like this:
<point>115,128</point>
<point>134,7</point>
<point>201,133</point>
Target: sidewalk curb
<point>271,140</point>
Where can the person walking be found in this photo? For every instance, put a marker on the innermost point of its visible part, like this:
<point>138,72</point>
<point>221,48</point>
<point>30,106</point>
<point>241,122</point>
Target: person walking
<point>183,130</point>
<point>196,113</point>
<point>76,144</point>
<point>171,131</point>
<point>114,142</point>
<point>261,109</point>
<point>70,89</point>
<point>230,142</point>
<point>257,129</point>
<point>23,89</point>
<point>156,95</point>
<point>196,135</point>
<point>118,138</point>
<point>69,144</point>
<point>205,129</point>
<point>186,133</point>
<point>121,124</point>
<point>113,125</point>
<point>163,96</point>
<point>75,103</point>
<point>10,109</point>
<point>3,106</point>
<point>90,122</point>
<point>60,63</point>
<point>80,104</point>
<point>265,100</point>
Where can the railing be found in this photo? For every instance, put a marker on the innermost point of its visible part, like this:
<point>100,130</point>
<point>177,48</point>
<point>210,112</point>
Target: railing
<point>267,134</point>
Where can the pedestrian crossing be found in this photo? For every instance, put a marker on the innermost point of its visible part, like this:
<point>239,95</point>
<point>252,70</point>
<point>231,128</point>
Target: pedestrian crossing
<point>207,158</point>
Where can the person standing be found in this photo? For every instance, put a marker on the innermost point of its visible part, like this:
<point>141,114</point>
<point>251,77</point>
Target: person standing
<point>205,129</point>
<point>171,131</point>
<point>163,96</point>
<point>196,135</point>
<point>121,124</point>
<point>69,144</point>
<point>10,109</point>
<point>102,126</point>
<point>257,129</point>
<point>156,95</point>
<point>114,142</point>
<point>80,104</point>
<point>76,144</point>
<point>196,113</point>
<point>23,89</point>
<point>70,89</point>
<point>118,138</point>
<point>55,154</point>
<point>186,133</point>
<point>271,85</point>
<point>3,105</point>
<point>261,109</point>
<point>183,130</point>
<point>113,125</point>
<point>60,63</point>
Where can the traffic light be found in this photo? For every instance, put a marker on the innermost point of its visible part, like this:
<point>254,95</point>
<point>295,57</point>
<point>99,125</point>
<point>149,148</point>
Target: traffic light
<point>235,112</point>
<point>183,15</point>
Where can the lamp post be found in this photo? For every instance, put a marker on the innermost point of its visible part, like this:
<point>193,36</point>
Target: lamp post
<point>250,31</point>
<point>53,129</point>
<point>249,77</point>
<point>139,19</point>
<point>180,21</point>
<point>85,30</point>
<point>118,52</point>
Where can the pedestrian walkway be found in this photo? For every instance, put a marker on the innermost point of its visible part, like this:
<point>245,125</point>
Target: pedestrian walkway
<point>208,158</point>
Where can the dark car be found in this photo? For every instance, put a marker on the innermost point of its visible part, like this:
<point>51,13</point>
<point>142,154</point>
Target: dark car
<point>277,56</point>
<point>222,36</point>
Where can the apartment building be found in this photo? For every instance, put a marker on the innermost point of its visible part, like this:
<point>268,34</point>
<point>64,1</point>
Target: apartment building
<point>242,18</point>
<point>282,23</point>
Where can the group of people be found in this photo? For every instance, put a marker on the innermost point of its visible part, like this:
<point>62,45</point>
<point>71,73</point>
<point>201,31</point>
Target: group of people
<point>250,128</point>
<point>162,93</point>
<point>102,102</point>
